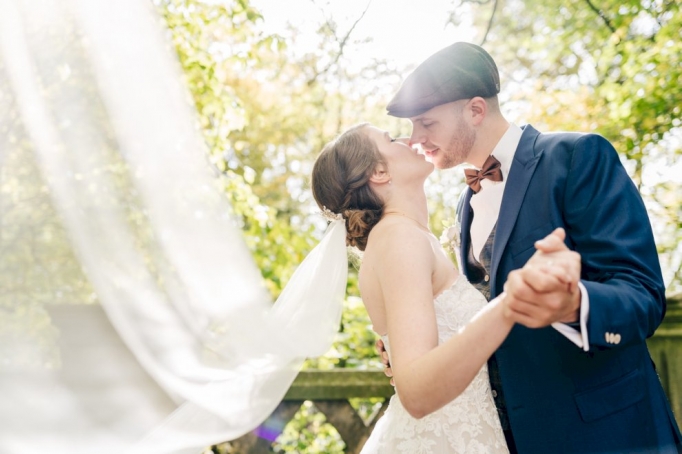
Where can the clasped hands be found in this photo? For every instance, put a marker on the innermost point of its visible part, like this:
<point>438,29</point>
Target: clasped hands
<point>546,289</point>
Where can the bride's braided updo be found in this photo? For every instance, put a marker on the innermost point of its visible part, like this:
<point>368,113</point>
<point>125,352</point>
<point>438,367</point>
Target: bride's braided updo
<point>340,182</point>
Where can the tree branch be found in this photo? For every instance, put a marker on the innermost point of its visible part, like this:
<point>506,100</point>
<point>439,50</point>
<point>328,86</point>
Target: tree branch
<point>342,45</point>
<point>602,15</point>
<point>490,23</point>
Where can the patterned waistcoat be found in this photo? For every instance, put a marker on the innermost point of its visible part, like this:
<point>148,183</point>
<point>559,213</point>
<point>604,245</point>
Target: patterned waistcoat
<point>479,276</point>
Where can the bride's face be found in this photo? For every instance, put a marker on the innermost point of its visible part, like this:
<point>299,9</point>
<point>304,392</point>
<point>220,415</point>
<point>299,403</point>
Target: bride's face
<point>403,162</point>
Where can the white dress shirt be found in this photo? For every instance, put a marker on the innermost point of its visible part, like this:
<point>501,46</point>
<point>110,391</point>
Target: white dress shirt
<point>486,206</point>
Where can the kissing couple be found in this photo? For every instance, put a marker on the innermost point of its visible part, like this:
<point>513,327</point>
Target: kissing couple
<point>537,343</point>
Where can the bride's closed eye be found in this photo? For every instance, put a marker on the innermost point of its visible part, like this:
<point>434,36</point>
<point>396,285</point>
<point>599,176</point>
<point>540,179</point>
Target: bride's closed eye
<point>388,137</point>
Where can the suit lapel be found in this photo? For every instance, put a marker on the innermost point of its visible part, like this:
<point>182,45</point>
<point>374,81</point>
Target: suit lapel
<point>520,173</point>
<point>465,224</point>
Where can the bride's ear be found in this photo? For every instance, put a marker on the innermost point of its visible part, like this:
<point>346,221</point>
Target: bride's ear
<point>380,175</point>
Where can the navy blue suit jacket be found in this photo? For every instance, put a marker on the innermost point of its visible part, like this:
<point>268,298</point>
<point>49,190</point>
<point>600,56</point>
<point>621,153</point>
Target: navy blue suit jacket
<point>559,397</point>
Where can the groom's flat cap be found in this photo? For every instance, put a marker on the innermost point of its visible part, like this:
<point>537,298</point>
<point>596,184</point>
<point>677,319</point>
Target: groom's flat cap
<point>460,71</point>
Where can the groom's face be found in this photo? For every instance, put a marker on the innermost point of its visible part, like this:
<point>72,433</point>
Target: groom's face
<point>444,135</point>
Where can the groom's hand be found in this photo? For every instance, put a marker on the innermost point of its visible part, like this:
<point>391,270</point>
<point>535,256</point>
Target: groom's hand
<point>545,290</point>
<point>383,354</point>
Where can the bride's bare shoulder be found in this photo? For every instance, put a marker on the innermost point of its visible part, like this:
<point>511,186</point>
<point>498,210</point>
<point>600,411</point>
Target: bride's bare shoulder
<point>396,238</point>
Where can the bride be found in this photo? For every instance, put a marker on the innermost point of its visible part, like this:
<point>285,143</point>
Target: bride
<point>437,328</point>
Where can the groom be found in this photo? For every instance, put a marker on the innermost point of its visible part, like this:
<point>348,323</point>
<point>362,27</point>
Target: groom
<point>575,374</point>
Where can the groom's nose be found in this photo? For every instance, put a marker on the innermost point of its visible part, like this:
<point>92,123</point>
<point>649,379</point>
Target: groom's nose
<point>417,137</point>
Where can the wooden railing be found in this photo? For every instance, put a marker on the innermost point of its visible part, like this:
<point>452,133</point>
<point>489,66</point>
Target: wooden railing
<point>330,390</point>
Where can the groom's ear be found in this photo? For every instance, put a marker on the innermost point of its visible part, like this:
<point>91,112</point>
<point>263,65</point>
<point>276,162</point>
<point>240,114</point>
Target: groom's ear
<point>380,175</point>
<point>477,108</point>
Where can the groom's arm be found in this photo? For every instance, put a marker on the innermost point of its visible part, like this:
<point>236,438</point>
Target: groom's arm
<point>607,223</point>
<point>608,226</point>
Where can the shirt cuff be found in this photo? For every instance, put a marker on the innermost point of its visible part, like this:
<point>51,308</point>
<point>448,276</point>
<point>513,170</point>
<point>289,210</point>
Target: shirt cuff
<point>579,338</point>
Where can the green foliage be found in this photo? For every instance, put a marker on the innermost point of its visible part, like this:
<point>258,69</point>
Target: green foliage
<point>308,433</point>
<point>220,50</point>
<point>354,343</point>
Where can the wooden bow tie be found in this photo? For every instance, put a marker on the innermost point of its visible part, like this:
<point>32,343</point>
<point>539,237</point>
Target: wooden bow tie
<point>490,170</point>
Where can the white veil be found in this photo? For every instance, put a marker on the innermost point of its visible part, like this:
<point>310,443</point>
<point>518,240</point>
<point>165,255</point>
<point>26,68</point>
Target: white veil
<point>132,316</point>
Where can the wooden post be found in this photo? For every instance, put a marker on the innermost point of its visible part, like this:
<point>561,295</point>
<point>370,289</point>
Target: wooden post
<point>666,351</point>
<point>330,391</point>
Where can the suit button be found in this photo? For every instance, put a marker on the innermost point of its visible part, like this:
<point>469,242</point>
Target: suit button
<point>494,393</point>
<point>486,278</point>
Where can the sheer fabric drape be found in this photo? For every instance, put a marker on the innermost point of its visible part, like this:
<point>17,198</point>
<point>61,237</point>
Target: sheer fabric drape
<point>132,316</point>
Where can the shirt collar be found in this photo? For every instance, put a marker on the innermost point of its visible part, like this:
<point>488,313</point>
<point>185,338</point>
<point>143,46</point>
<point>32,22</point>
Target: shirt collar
<point>506,148</point>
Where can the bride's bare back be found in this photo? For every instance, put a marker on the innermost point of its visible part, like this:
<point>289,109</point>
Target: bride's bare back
<point>387,239</point>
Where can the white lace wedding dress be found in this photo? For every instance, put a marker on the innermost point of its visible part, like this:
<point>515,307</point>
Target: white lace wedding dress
<point>469,424</point>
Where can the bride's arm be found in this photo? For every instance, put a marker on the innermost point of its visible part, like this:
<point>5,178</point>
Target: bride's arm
<point>427,375</point>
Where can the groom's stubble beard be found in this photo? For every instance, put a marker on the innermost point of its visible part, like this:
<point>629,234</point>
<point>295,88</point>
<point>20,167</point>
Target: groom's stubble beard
<point>459,146</point>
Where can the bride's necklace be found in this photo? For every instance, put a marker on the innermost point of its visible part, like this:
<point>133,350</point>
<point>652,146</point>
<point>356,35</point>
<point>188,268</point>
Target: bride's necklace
<point>399,213</point>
